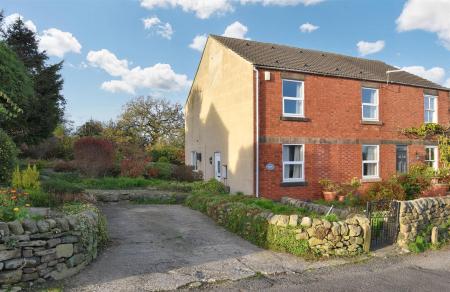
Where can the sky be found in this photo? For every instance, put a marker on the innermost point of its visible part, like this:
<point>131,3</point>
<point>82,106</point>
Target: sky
<point>116,50</point>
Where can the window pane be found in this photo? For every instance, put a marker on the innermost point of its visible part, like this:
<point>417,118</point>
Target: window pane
<point>427,103</point>
<point>431,106</point>
<point>369,95</point>
<point>429,154</point>
<point>291,88</point>
<point>292,153</point>
<point>370,169</point>
<point>369,112</point>
<point>293,171</point>
<point>369,153</point>
<point>292,106</point>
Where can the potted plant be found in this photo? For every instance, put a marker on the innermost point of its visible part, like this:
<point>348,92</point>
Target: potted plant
<point>330,189</point>
<point>349,189</point>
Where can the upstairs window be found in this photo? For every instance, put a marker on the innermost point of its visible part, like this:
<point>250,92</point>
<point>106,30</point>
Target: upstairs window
<point>293,163</point>
<point>431,154</point>
<point>293,101</point>
<point>430,109</point>
<point>369,104</point>
<point>370,161</point>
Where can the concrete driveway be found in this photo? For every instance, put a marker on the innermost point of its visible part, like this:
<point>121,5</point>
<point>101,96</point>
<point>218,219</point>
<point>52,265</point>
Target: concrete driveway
<point>164,247</point>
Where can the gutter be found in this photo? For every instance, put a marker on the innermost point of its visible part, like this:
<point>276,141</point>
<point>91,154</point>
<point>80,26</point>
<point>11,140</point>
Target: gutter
<point>257,133</point>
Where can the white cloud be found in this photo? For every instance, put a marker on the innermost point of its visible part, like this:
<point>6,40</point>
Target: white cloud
<point>159,76</point>
<point>283,2</point>
<point>429,15</point>
<point>10,19</point>
<point>107,61</point>
<point>435,74</point>
<point>199,42</point>
<point>206,8</point>
<point>151,22</point>
<point>367,48</point>
<point>308,27</point>
<point>202,8</point>
<point>236,30</point>
<point>163,29</point>
<point>57,43</point>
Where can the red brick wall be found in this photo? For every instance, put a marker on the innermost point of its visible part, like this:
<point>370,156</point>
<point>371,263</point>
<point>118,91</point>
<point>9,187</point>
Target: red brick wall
<point>333,106</point>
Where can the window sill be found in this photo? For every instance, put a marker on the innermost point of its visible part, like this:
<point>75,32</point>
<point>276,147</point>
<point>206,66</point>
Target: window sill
<point>376,123</point>
<point>294,184</point>
<point>295,119</point>
<point>370,180</point>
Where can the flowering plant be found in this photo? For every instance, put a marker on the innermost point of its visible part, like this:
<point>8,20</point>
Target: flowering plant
<point>13,205</point>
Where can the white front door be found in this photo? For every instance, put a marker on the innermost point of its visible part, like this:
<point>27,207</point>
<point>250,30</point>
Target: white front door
<point>217,166</point>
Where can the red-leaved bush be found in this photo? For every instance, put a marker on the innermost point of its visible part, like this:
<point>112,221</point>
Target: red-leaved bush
<point>94,156</point>
<point>132,167</point>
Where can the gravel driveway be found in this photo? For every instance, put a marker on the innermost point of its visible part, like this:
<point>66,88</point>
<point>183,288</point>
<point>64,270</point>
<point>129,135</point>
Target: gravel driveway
<point>164,247</point>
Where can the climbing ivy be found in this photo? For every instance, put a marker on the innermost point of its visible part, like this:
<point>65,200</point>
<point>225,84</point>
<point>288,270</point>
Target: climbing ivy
<point>432,131</point>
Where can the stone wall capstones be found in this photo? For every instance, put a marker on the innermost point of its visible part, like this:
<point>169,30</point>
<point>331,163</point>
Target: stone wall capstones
<point>416,215</point>
<point>34,251</point>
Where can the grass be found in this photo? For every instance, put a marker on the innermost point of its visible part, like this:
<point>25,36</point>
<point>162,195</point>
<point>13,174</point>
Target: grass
<point>71,182</point>
<point>422,241</point>
<point>155,201</point>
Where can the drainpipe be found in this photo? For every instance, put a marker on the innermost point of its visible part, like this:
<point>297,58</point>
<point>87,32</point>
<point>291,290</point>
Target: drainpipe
<point>257,133</point>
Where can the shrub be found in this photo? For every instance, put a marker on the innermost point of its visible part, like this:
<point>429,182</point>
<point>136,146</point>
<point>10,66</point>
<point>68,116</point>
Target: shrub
<point>386,190</point>
<point>131,167</point>
<point>40,198</point>
<point>163,170</point>
<point>27,179</point>
<point>417,180</point>
<point>8,157</point>
<point>211,186</point>
<point>172,154</point>
<point>94,156</point>
<point>61,187</point>
<point>186,173</point>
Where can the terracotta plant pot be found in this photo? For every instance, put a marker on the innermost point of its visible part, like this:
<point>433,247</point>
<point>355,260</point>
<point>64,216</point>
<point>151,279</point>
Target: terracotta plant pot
<point>341,198</point>
<point>329,196</point>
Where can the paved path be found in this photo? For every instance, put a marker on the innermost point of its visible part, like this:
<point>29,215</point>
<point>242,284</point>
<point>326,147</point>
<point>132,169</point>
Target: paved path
<point>163,247</point>
<point>424,272</point>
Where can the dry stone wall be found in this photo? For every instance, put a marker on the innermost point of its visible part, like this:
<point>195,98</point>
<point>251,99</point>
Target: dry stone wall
<point>35,251</point>
<point>416,215</point>
<point>348,237</point>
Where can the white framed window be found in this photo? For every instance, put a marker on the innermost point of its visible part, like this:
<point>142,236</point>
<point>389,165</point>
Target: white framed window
<point>293,163</point>
<point>293,98</point>
<point>370,161</point>
<point>369,104</point>
<point>430,109</point>
<point>431,156</point>
<point>194,160</point>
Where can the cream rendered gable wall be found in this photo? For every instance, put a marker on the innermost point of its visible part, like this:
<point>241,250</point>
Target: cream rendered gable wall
<point>219,116</point>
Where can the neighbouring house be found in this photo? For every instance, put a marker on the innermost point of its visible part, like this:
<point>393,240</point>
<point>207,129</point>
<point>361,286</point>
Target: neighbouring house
<point>272,120</point>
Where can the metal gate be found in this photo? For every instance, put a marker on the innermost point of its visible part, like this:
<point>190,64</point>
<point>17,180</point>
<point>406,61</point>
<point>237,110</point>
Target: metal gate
<point>384,222</point>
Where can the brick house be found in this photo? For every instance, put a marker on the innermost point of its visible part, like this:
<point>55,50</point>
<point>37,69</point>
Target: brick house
<point>273,120</point>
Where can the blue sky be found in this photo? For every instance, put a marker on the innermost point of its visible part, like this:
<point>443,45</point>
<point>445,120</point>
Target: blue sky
<point>116,50</point>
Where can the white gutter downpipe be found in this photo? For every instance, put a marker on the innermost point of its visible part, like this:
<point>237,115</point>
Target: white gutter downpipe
<point>257,133</point>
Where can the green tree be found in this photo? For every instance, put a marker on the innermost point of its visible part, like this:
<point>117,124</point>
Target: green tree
<point>156,120</point>
<point>46,109</point>
<point>16,93</point>
<point>90,128</point>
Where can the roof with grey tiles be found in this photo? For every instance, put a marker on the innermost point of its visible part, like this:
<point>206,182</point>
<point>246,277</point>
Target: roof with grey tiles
<point>322,63</point>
